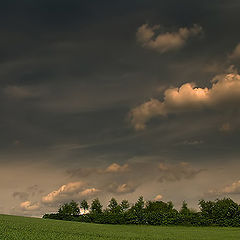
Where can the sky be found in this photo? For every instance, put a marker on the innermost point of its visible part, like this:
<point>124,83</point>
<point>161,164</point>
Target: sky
<point>118,99</point>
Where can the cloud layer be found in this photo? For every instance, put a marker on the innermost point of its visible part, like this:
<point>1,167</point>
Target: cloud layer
<point>223,94</point>
<point>163,42</point>
<point>115,179</point>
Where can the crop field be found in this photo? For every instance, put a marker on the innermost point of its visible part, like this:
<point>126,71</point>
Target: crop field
<point>23,228</point>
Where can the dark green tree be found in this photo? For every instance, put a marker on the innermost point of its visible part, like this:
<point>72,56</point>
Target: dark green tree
<point>207,208</point>
<point>137,211</point>
<point>139,205</point>
<point>184,209</point>
<point>96,206</point>
<point>113,206</point>
<point>70,208</point>
<point>84,205</point>
<point>159,206</point>
<point>124,205</point>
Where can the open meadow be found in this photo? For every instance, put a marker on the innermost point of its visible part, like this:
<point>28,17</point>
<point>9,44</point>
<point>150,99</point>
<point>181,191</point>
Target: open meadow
<point>24,228</point>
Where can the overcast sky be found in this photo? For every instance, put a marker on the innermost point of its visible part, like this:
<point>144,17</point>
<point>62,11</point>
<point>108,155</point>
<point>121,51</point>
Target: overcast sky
<point>118,99</point>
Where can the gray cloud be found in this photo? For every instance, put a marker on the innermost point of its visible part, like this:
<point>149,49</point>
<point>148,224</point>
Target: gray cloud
<point>236,53</point>
<point>30,192</point>
<point>128,177</point>
<point>121,188</point>
<point>166,41</point>
<point>113,168</point>
<point>24,92</point>
<point>226,127</point>
<point>21,195</point>
<point>177,172</point>
<point>192,142</point>
<point>81,172</point>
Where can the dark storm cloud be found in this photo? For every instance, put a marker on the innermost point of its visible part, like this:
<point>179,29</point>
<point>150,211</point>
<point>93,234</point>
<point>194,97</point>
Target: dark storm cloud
<point>72,70</point>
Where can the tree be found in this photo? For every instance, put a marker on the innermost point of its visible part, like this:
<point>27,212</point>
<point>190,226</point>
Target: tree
<point>222,212</point>
<point>96,206</point>
<point>137,211</point>
<point>124,205</point>
<point>206,208</point>
<point>113,206</point>
<point>69,208</point>
<point>84,205</point>
<point>159,206</point>
<point>184,209</point>
<point>138,207</point>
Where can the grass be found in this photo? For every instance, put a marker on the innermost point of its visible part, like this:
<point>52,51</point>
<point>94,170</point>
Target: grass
<point>23,228</point>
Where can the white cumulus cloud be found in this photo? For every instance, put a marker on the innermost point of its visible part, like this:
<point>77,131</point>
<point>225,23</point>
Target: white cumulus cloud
<point>63,191</point>
<point>224,93</point>
<point>28,206</point>
<point>69,191</point>
<point>88,192</point>
<point>233,188</point>
<point>158,197</point>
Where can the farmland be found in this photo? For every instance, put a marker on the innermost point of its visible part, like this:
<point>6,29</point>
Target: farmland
<point>20,228</point>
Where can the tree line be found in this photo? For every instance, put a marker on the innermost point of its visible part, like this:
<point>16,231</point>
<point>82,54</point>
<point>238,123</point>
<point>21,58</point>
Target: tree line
<point>221,212</point>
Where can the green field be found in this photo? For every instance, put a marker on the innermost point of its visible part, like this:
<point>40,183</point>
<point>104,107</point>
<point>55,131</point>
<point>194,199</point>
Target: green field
<point>23,228</point>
